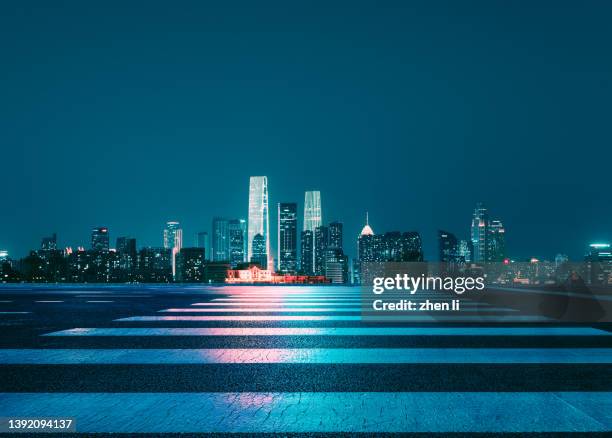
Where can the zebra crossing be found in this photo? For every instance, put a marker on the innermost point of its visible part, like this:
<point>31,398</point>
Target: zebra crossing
<point>303,360</point>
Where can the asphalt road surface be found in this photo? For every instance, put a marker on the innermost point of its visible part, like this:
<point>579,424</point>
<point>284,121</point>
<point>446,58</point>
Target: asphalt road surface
<point>294,360</point>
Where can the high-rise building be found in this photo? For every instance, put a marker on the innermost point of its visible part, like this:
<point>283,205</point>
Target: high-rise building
<point>598,262</point>
<point>237,238</point>
<point>465,250</point>
<point>99,239</point>
<point>155,265</point>
<point>321,241</point>
<point>313,216</point>
<point>173,240</point>
<point>336,267</point>
<point>203,242</point>
<point>190,265</point>
<point>259,215</point>
<point>127,258</point>
<point>335,235</point>
<point>220,240</point>
<point>479,233</point>
<point>368,244</point>
<point>496,242</point>
<point>260,256</point>
<point>307,254</point>
<point>49,243</point>
<point>287,237</point>
<point>448,247</point>
<point>400,247</point>
<point>369,250</point>
<point>173,236</point>
<point>336,263</point>
<point>126,245</point>
<point>487,237</point>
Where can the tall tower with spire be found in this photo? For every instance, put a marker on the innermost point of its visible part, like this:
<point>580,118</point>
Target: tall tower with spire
<point>366,243</point>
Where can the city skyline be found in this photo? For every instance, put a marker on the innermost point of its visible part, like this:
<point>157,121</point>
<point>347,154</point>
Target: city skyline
<point>485,241</point>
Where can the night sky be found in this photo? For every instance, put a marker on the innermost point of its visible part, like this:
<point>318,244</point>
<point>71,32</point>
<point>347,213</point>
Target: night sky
<point>128,114</point>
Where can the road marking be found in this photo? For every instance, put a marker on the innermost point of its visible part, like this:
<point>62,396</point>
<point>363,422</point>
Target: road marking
<point>49,301</point>
<point>320,296</point>
<point>100,301</point>
<point>323,412</point>
<point>334,331</point>
<point>271,300</point>
<point>279,304</point>
<point>245,318</point>
<point>10,313</point>
<point>262,310</point>
<point>314,310</point>
<point>54,356</point>
<point>407,318</point>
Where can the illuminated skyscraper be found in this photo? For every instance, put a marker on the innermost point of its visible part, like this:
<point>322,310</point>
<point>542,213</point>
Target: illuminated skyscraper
<point>336,267</point>
<point>173,240</point>
<point>599,264</point>
<point>336,263</point>
<point>220,240</point>
<point>237,238</point>
<point>259,252</point>
<point>396,246</point>
<point>99,239</point>
<point>479,233</point>
<point>313,217</point>
<point>321,241</point>
<point>335,235</point>
<point>126,252</point>
<point>259,216</point>
<point>496,242</point>
<point>307,255</point>
<point>448,247</point>
<point>368,244</point>
<point>287,237</point>
<point>465,250</point>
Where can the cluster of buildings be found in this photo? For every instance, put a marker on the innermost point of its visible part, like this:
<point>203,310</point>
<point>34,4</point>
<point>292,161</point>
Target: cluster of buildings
<point>240,251</point>
<point>486,248</point>
<point>487,243</point>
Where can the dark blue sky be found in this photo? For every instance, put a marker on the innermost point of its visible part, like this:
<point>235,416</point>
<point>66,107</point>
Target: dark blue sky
<point>128,114</point>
